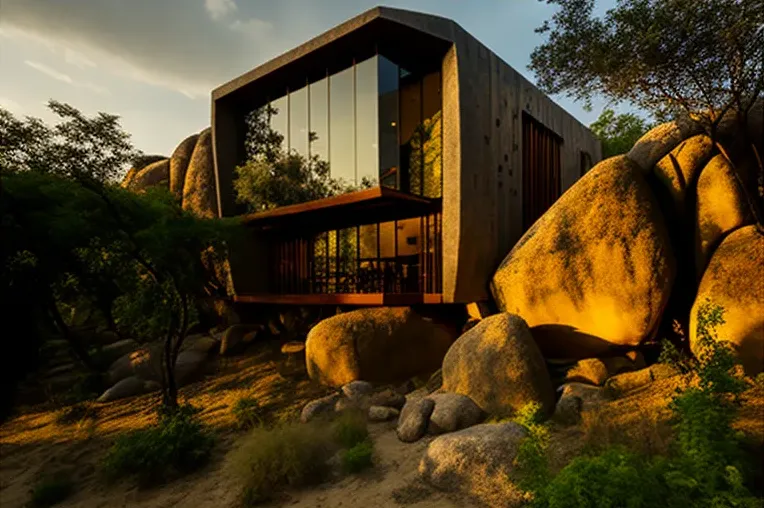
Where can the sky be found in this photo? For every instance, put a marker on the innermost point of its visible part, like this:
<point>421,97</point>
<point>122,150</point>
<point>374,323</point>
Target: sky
<point>155,62</point>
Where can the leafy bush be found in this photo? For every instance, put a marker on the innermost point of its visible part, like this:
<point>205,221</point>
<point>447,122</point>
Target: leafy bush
<point>289,455</point>
<point>705,468</point>
<point>178,444</point>
<point>247,412</point>
<point>531,456</point>
<point>358,458</point>
<point>350,429</point>
<point>51,490</point>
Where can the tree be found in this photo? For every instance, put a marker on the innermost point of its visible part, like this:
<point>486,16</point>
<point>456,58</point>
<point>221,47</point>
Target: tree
<point>618,133</point>
<point>71,234</point>
<point>702,57</point>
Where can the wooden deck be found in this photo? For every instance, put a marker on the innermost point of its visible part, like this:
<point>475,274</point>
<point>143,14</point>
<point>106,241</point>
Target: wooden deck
<point>370,299</point>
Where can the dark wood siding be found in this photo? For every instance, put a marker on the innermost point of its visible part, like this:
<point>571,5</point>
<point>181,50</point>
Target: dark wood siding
<point>542,171</point>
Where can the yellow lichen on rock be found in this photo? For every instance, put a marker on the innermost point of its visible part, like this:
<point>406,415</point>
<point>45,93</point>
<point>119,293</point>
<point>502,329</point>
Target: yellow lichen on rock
<point>734,280</point>
<point>200,189</point>
<point>721,207</point>
<point>659,141</point>
<point>680,168</point>
<point>156,173</point>
<point>596,270</point>
<point>179,163</point>
<point>385,344</point>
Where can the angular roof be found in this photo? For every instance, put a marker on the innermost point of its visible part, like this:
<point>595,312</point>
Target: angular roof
<point>427,25</point>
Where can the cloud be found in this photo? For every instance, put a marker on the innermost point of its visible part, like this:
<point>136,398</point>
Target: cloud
<point>78,59</point>
<point>11,105</point>
<point>174,44</point>
<point>220,8</point>
<point>60,76</point>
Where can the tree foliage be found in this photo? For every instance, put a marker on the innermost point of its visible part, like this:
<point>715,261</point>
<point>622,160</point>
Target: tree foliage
<point>665,56</point>
<point>618,133</point>
<point>73,237</point>
<point>273,177</point>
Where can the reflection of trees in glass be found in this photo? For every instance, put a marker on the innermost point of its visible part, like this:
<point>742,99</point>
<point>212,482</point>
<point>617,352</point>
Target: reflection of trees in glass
<point>272,177</point>
<point>425,155</point>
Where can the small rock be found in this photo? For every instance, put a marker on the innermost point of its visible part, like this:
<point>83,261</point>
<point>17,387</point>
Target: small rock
<point>414,418</point>
<point>233,341</point>
<point>200,343</point>
<point>453,412</point>
<point>109,354</point>
<point>590,395</point>
<point>628,381</point>
<point>382,413</point>
<point>319,407</point>
<point>356,390</point>
<point>388,398</point>
<point>435,382</point>
<point>568,410</point>
<point>345,404</point>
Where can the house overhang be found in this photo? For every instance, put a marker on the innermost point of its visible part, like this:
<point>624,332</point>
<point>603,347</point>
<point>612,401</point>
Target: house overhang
<point>370,206</point>
<point>398,34</point>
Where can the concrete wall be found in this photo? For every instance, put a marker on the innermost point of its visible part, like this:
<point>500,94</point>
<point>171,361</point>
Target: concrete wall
<point>483,101</point>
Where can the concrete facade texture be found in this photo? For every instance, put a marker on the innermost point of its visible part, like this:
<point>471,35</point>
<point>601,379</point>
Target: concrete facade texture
<point>483,102</point>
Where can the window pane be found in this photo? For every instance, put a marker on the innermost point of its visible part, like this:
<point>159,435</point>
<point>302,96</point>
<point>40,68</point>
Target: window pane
<point>388,122</point>
<point>256,135</point>
<point>341,126</point>
<point>279,119</point>
<point>431,136</point>
<point>367,149</point>
<point>298,121</point>
<point>319,119</point>
<point>411,131</point>
<point>387,239</point>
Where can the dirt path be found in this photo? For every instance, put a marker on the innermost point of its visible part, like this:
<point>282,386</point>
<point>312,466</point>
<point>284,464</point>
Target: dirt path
<point>33,443</point>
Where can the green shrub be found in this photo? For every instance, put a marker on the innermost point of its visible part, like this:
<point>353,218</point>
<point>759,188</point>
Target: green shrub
<point>247,412</point>
<point>51,490</point>
<point>178,444</point>
<point>531,459</point>
<point>289,455</point>
<point>705,468</point>
<point>350,428</point>
<point>357,458</point>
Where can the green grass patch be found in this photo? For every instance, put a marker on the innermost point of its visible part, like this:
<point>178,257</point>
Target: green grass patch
<point>350,428</point>
<point>358,458</point>
<point>178,444</point>
<point>76,414</point>
<point>248,413</point>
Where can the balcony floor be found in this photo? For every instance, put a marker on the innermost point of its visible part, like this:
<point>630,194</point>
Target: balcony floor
<point>366,299</point>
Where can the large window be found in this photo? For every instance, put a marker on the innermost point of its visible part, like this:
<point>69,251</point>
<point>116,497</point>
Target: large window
<point>374,123</point>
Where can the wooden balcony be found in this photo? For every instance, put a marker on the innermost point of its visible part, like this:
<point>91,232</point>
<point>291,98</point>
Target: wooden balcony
<point>382,247</point>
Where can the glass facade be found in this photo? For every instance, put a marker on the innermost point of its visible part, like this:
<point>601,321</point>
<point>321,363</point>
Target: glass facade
<point>374,123</point>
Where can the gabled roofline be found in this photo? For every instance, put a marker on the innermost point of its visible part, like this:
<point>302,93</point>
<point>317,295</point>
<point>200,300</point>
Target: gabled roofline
<point>430,24</point>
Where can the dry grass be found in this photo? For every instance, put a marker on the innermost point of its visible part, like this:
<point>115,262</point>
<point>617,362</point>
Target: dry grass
<point>289,455</point>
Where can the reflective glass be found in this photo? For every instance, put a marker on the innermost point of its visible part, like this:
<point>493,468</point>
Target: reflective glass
<point>411,132</point>
<point>280,119</point>
<point>432,151</point>
<point>298,121</point>
<point>388,122</point>
<point>341,127</point>
<point>367,148</point>
<point>319,119</point>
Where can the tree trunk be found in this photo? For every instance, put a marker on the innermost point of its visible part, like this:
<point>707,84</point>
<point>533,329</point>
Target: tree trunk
<point>77,348</point>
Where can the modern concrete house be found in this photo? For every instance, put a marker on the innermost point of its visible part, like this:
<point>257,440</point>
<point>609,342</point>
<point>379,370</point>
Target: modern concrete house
<point>463,154</point>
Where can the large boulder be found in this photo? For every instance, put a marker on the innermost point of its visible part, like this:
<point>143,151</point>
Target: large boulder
<point>179,161</point>
<point>722,206</point>
<point>498,365</point>
<point>679,169</point>
<point>156,173</point>
<point>128,387</point>
<point>596,270</point>
<point>733,280</point>
<point>478,462</point>
<point>660,140</point>
<point>379,345</point>
<point>199,189</point>
<point>453,412</point>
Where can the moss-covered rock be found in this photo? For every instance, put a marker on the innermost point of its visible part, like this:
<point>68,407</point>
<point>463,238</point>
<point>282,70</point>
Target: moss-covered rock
<point>379,345</point>
<point>679,169</point>
<point>499,366</point>
<point>596,270</point>
<point>722,206</point>
<point>733,280</point>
